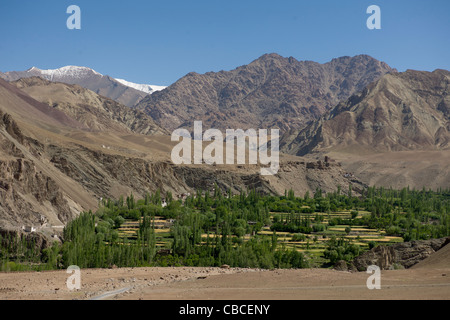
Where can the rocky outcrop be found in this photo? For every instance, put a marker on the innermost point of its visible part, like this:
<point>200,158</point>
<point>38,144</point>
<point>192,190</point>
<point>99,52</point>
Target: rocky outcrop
<point>26,193</point>
<point>321,165</point>
<point>410,253</point>
<point>6,146</point>
<point>11,126</point>
<point>99,172</point>
<point>406,255</point>
<point>382,256</point>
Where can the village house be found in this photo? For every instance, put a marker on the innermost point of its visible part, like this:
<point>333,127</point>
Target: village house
<point>29,229</point>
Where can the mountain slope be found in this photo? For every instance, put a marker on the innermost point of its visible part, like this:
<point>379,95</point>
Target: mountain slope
<point>272,91</point>
<point>30,188</point>
<point>128,93</point>
<point>94,111</point>
<point>26,109</point>
<point>403,111</point>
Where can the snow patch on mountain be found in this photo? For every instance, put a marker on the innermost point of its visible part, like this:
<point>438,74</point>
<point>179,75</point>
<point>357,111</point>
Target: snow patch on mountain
<point>147,88</point>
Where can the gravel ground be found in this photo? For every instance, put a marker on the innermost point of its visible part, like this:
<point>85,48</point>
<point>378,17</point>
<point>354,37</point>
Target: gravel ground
<point>226,284</point>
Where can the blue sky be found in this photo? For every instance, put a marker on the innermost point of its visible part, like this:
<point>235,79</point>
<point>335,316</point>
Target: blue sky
<point>158,42</point>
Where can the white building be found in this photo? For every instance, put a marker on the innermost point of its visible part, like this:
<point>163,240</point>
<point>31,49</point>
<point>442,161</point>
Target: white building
<point>29,229</point>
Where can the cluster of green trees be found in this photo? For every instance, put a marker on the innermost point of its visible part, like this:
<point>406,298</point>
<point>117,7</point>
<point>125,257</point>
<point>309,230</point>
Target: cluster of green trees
<point>92,244</point>
<point>226,221</point>
<point>411,214</point>
<point>341,249</point>
<point>18,252</point>
<point>293,223</point>
<point>212,228</point>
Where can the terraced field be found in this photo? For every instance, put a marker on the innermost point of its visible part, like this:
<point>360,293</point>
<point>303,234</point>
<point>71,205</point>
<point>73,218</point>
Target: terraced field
<point>130,228</point>
<point>314,244</point>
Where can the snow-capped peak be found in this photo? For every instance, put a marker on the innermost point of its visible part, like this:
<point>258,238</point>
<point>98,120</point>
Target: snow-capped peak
<point>67,71</point>
<point>147,88</point>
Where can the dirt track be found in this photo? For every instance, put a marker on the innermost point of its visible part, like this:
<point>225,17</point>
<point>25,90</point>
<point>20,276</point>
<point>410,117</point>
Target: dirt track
<point>230,284</point>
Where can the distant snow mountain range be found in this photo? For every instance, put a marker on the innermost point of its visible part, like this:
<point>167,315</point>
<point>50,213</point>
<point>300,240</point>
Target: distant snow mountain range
<point>123,91</point>
<point>82,72</point>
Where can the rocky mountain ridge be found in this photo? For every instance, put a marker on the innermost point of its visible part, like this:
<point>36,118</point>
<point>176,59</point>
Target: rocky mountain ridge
<point>270,92</point>
<point>399,112</point>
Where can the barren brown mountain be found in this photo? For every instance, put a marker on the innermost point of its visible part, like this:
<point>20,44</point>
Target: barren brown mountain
<point>394,133</point>
<point>399,112</point>
<point>270,92</point>
<point>95,112</point>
